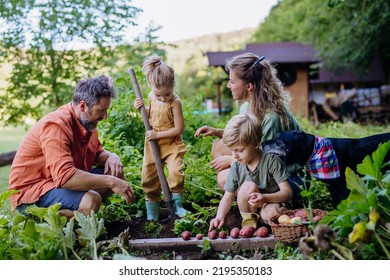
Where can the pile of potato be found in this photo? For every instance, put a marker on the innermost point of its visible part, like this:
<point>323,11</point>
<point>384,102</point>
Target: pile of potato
<point>245,232</point>
<point>298,218</point>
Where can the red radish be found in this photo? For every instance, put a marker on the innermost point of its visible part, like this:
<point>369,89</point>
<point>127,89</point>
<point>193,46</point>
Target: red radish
<point>247,231</point>
<point>199,236</point>
<point>213,234</point>
<point>262,232</point>
<point>235,232</point>
<point>222,234</point>
<point>186,235</point>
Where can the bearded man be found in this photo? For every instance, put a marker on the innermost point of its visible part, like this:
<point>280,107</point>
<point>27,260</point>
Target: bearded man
<point>61,159</point>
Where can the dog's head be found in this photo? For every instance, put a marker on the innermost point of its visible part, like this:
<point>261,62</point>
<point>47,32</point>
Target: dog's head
<point>275,146</point>
<point>294,146</point>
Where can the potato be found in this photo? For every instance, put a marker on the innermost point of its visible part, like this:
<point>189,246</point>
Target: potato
<point>296,220</point>
<point>235,232</point>
<point>316,218</point>
<point>222,234</point>
<point>199,236</point>
<point>262,232</point>
<point>283,219</point>
<point>213,234</point>
<point>247,231</point>
<point>186,235</point>
<point>301,213</point>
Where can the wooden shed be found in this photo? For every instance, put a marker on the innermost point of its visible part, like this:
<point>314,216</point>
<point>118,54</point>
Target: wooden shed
<point>292,61</point>
<point>298,69</point>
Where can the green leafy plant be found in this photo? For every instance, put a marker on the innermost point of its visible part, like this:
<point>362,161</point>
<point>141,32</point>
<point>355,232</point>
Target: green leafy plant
<point>206,248</point>
<point>57,228</point>
<point>44,240</point>
<point>196,222</point>
<point>154,228</point>
<point>360,220</point>
<point>90,229</point>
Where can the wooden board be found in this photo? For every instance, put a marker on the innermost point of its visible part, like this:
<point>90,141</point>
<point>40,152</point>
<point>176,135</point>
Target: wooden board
<point>161,244</point>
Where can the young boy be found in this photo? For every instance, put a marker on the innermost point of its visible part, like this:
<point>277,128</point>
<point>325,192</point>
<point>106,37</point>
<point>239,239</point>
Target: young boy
<point>260,181</point>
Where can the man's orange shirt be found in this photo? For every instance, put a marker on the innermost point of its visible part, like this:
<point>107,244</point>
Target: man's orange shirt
<point>52,151</point>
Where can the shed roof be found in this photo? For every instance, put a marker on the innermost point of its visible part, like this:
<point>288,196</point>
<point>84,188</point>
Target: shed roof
<point>284,52</point>
<point>299,53</point>
<point>220,58</point>
<point>279,52</point>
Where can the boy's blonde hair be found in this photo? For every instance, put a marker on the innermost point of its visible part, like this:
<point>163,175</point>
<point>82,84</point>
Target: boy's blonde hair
<point>243,129</point>
<point>158,73</point>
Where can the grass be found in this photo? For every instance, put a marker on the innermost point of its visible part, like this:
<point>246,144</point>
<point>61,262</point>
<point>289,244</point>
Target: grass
<point>10,138</point>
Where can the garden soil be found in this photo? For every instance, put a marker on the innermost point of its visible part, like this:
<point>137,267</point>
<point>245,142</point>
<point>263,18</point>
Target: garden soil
<point>135,229</point>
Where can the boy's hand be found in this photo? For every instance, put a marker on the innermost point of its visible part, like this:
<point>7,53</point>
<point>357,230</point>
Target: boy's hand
<point>215,223</point>
<point>138,103</point>
<point>256,200</point>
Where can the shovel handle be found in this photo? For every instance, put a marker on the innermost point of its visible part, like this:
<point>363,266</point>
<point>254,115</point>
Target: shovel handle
<point>155,149</point>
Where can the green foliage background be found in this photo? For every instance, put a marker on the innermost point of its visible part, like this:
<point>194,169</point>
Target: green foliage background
<point>346,33</point>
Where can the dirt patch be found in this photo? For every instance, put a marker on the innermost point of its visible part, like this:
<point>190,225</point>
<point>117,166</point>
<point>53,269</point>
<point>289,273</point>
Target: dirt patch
<point>138,229</point>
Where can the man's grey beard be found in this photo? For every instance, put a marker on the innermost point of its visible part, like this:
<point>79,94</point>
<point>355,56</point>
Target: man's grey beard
<point>87,124</point>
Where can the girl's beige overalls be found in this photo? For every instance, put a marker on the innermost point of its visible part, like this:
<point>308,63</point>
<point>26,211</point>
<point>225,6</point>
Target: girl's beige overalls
<point>171,152</point>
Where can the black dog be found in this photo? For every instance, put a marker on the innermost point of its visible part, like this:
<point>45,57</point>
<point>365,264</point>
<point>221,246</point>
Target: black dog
<point>337,154</point>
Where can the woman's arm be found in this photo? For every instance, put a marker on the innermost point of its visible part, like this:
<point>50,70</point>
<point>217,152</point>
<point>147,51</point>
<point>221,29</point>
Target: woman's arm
<point>209,131</point>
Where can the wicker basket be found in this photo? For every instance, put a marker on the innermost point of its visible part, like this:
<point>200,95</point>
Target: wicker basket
<point>290,233</point>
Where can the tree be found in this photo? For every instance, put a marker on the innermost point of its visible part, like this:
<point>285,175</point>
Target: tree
<point>39,40</point>
<point>345,33</point>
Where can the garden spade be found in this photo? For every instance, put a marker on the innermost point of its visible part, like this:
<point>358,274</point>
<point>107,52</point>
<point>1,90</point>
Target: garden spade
<point>155,151</point>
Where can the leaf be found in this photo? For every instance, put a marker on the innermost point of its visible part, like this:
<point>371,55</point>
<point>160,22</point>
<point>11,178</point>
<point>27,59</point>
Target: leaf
<point>373,216</point>
<point>372,167</point>
<point>90,229</point>
<point>354,182</point>
<point>372,198</point>
<point>39,212</point>
<point>386,179</point>
<point>30,233</point>
<point>19,218</point>
<point>359,233</point>
<point>69,236</point>
<point>5,195</point>
<point>54,219</point>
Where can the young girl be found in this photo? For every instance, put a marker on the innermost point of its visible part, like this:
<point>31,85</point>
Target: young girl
<point>254,80</point>
<point>167,122</point>
<point>260,181</point>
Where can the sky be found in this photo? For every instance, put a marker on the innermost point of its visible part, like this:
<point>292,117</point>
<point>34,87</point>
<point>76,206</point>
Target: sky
<point>183,19</point>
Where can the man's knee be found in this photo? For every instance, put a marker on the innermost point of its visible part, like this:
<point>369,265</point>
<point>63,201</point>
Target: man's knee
<point>90,201</point>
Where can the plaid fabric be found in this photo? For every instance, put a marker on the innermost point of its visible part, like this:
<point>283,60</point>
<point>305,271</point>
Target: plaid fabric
<point>323,162</point>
